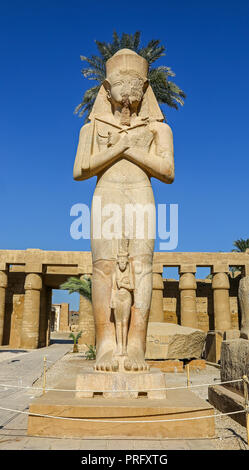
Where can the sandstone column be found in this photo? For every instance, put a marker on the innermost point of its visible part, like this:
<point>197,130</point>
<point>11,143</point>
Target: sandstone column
<point>86,320</point>
<point>49,308</point>
<point>220,286</point>
<point>43,317</point>
<point>187,287</point>
<point>31,314</point>
<point>156,308</point>
<point>64,317</point>
<point>3,285</point>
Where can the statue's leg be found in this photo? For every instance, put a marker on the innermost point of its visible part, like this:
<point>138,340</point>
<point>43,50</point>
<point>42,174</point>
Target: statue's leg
<point>118,325</point>
<point>125,320</point>
<point>104,323</point>
<point>140,315</point>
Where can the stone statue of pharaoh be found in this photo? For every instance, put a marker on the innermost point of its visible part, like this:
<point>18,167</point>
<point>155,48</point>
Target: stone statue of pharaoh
<point>124,145</point>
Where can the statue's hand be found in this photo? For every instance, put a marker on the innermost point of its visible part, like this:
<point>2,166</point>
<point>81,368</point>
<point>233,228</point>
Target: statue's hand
<point>113,138</point>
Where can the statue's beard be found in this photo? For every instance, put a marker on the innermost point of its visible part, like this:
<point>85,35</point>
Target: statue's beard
<point>127,106</point>
<point>125,118</point>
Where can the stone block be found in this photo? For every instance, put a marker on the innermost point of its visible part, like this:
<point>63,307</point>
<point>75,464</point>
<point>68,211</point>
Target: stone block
<point>197,364</point>
<point>124,384</point>
<point>234,361</point>
<point>231,334</point>
<point>168,365</point>
<point>170,341</point>
<point>226,401</point>
<point>114,418</point>
<point>213,346</point>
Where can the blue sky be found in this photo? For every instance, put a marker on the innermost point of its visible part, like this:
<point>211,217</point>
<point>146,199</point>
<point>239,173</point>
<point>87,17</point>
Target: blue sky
<point>40,47</point>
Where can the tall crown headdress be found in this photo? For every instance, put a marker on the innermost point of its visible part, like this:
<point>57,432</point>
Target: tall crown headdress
<point>125,60</point>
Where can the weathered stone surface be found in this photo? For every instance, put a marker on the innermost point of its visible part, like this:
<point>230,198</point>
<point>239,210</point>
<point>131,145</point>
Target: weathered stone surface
<point>169,341</point>
<point>197,364</point>
<point>168,365</point>
<point>136,384</point>
<point>16,321</point>
<point>124,144</point>
<point>179,404</point>
<point>213,346</point>
<point>227,401</point>
<point>234,361</point>
<point>244,305</point>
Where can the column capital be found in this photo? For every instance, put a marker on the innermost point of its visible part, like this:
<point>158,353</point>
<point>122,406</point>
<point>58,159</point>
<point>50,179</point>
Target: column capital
<point>33,281</point>
<point>157,268</point>
<point>3,279</point>
<point>82,276</point>
<point>157,281</point>
<point>220,281</point>
<point>187,281</point>
<point>85,269</point>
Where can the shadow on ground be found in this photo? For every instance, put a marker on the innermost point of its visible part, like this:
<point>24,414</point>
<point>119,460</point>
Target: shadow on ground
<point>15,351</point>
<point>61,341</point>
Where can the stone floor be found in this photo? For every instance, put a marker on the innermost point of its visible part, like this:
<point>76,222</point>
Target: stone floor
<point>25,368</point>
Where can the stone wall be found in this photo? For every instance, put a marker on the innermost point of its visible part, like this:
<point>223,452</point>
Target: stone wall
<point>204,303</point>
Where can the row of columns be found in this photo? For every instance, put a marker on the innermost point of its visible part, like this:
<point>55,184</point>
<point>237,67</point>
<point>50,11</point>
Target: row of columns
<point>31,313</point>
<point>188,306</point>
<point>187,286</point>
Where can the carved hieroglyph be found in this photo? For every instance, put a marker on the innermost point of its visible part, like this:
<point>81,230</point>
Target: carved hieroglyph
<point>124,144</point>
<point>244,306</point>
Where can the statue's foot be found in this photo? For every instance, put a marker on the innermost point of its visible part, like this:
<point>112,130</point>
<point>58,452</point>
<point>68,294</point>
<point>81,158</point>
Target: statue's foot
<point>106,363</point>
<point>135,361</point>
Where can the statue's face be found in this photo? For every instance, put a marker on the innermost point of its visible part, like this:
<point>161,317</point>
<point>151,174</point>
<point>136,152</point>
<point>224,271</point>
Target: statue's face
<point>126,85</point>
<point>122,262</point>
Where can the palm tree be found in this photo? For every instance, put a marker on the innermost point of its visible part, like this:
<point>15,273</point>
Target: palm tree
<point>241,245</point>
<point>166,91</point>
<point>75,341</point>
<point>82,286</point>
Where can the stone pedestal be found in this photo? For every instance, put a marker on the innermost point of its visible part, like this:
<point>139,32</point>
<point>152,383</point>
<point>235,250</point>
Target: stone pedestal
<point>135,418</point>
<point>130,384</point>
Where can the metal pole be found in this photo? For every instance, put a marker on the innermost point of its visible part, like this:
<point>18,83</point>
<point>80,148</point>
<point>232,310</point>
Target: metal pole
<point>188,381</point>
<point>44,374</point>
<point>246,382</point>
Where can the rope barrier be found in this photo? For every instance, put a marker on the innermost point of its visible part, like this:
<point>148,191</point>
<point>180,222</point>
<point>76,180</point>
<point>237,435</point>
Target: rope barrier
<point>121,391</point>
<point>120,421</point>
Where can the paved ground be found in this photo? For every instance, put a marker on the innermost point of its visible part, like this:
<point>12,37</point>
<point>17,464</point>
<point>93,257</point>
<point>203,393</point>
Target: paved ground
<point>25,368</point>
